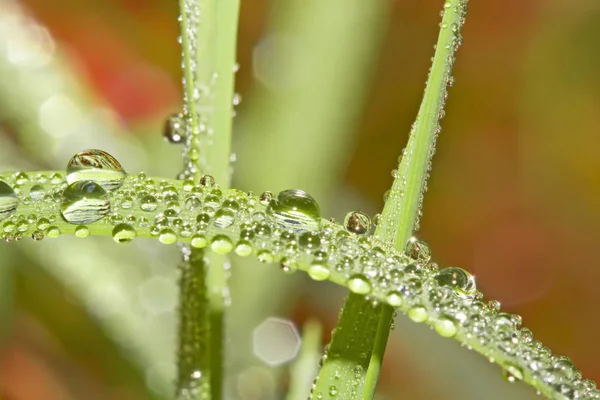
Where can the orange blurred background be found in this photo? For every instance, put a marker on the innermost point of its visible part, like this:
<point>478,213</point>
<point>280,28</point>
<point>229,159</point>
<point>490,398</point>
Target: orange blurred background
<point>513,196</point>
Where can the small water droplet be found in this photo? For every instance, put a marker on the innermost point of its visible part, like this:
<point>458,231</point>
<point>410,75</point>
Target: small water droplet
<point>174,129</point>
<point>221,244</point>
<point>418,313</point>
<point>82,231</point>
<point>8,201</point>
<point>417,250</point>
<point>167,236</point>
<point>511,372</point>
<point>207,180</point>
<point>318,272</point>
<point>243,248</point>
<point>199,241</point>
<point>148,203</point>
<point>123,233</point>
<point>359,284</point>
<point>224,218</point>
<point>446,327</point>
<point>84,202</point>
<point>98,166</point>
<point>394,299</point>
<point>295,209</point>
<point>357,222</point>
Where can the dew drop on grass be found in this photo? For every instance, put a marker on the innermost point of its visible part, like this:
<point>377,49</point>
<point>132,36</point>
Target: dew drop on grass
<point>318,272</point>
<point>52,232</point>
<point>123,233</point>
<point>174,129</point>
<point>82,231</point>
<point>418,313</point>
<point>357,222</point>
<point>243,248</point>
<point>84,202</point>
<point>199,241</point>
<point>221,244</point>
<point>37,192</point>
<point>224,218</point>
<point>98,166</point>
<point>446,327</point>
<point>394,298</point>
<point>417,250</point>
<point>511,372</point>
<point>461,282</point>
<point>167,236</point>
<point>148,203</point>
<point>359,284</point>
<point>8,201</point>
<point>294,209</point>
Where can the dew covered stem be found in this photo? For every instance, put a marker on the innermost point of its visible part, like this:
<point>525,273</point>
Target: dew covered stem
<point>446,299</point>
<point>400,217</point>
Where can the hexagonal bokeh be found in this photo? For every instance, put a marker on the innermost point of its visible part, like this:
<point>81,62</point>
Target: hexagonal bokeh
<point>276,341</point>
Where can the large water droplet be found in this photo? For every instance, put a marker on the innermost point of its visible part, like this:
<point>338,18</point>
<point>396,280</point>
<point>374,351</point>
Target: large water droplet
<point>84,202</point>
<point>8,201</point>
<point>295,209</point>
<point>96,165</point>
<point>461,282</point>
<point>357,222</point>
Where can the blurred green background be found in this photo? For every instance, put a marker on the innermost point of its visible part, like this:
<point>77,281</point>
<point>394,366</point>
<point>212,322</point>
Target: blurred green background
<point>329,89</point>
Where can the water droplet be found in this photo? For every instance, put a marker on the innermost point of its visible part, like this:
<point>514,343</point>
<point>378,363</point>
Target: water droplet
<point>98,166</point>
<point>123,233</point>
<point>288,265</point>
<point>8,201</point>
<point>148,203</point>
<point>295,209</point>
<point>167,236</point>
<point>511,372</point>
<point>82,231</point>
<point>446,327</point>
<point>359,284</point>
<point>84,202</point>
<point>199,241</point>
<point>461,282</point>
<point>265,256</point>
<point>357,222</point>
<point>394,298</point>
<point>309,241</point>
<point>37,192</point>
<point>207,180</point>
<point>243,248</point>
<point>418,313</point>
<point>224,218</point>
<point>174,129</point>
<point>265,198</point>
<point>221,244</point>
<point>52,232</point>
<point>417,250</point>
<point>318,272</point>
<point>333,391</point>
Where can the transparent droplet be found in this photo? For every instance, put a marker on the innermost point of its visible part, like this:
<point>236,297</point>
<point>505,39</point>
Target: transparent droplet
<point>123,233</point>
<point>148,203</point>
<point>461,282</point>
<point>511,372</point>
<point>82,231</point>
<point>243,248</point>
<point>37,192</point>
<point>357,222</point>
<point>294,209</point>
<point>167,236</point>
<point>418,313</point>
<point>359,284</point>
<point>199,241</point>
<point>265,256</point>
<point>8,201</point>
<point>288,265</point>
<point>207,180</point>
<point>446,327</point>
<point>174,129</point>
<point>221,244</point>
<point>417,250</point>
<point>84,202</point>
<point>318,272</point>
<point>97,166</point>
<point>224,218</point>
<point>394,298</point>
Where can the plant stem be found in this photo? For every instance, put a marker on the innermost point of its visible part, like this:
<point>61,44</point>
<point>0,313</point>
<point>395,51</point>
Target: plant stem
<point>400,216</point>
<point>209,32</point>
<point>304,368</point>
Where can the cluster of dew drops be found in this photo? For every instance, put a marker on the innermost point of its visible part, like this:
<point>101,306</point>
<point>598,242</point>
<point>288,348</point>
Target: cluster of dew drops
<point>284,228</point>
